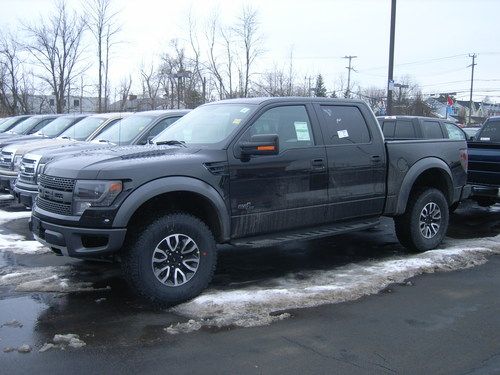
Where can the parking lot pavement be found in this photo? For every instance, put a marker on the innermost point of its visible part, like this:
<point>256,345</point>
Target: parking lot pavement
<point>289,296</point>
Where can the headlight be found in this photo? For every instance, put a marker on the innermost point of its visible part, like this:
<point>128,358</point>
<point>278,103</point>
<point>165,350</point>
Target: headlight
<point>94,193</point>
<point>17,162</point>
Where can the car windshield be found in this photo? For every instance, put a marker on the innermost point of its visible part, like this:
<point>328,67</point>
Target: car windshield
<point>56,127</point>
<point>125,131</point>
<point>490,132</point>
<point>25,126</point>
<point>84,128</point>
<point>208,125</point>
<point>6,123</point>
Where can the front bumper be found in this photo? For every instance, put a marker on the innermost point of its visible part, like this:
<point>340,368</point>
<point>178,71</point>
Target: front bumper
<point>77,242</point>
<point>7,179</point>
<point>24,196</point>
<point>486,191</point>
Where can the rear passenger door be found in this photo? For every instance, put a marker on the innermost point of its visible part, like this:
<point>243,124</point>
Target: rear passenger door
<point>356,162</point>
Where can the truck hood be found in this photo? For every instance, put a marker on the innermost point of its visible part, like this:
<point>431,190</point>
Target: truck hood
<point>16,138</point>
<point>27,146</point>
<point>118,162</point>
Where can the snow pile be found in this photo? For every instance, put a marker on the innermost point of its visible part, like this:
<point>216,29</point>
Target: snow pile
<point>6,216</point>
<point>44,279</point>
<point>60,341</point>
<point>17,243</point>
<point>6,197</point>
<point>261,305</point>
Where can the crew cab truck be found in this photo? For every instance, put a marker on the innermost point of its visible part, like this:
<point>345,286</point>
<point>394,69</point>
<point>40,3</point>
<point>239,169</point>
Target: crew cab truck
<point>250,172</point>
<point>136,129</point>
<point>484,164</point>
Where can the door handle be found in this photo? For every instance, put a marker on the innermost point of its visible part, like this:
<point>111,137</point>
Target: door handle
<point>318,164</point>
<point>376,159</point>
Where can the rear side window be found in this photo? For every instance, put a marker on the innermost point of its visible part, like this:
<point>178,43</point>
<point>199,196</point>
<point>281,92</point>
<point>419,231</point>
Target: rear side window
<point>490,132</point>
<point>454,132</point>
<point>162,125</point>
<point>405,130</point>
<point>432,130</point>
<point>344,125</point>
<point>40,125</point>
<point>388,129</point>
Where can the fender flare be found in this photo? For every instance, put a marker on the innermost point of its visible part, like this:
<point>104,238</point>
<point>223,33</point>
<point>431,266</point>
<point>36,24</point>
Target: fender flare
<point>414,172</point>
<point>172,184</point>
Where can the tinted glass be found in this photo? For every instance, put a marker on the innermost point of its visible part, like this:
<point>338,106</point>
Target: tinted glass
<point>388,128</point>
<point>490,132</point>
<point>82,129</point>
<point>432,130</point>
<point>344,125</point>
<point>126,130</point>
<point>405,130</point>
<point>454,132</point>
<point>208,125</point>
<point>290,123</point>
<point>40,125</point>
<point>161,126</point>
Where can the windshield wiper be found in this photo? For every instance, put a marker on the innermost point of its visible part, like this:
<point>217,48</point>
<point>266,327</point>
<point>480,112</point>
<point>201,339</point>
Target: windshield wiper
<point>172,142</point>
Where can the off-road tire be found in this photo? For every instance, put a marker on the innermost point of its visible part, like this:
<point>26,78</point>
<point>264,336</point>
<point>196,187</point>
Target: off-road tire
<point>407,226</point>
<point>138,253</point>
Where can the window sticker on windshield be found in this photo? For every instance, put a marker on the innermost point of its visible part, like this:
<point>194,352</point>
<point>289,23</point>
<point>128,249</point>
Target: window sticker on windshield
<point>245,110</point>
<point>236,121</point>
<point>302,131</point>
<point>343,133</point>
<point>485,139</point>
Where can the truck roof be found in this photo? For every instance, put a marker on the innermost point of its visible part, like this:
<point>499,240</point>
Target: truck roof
<point>299,99</point>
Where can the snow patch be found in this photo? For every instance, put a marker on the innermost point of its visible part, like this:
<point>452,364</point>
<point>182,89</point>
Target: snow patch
<point>19,245</point>
<point>44,279</point>
<point>6,197</point>
<point>6,216</point>
<point>261,305</point>
<point>70,339</point>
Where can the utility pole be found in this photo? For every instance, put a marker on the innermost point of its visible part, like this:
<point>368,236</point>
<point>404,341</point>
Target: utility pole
<point>471,83</point>
<point>349,68</point>
<point>390,78</point>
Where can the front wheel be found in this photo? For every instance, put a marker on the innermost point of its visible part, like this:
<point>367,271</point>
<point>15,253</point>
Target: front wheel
<point>425,223</point>
<point>170,260</point>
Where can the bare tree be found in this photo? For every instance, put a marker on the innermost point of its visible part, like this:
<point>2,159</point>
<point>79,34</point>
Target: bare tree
<point>55,44</point>
<point>247,31</point>
<point>101,21</point>
<point>124,91</point>
<point>150,83</point>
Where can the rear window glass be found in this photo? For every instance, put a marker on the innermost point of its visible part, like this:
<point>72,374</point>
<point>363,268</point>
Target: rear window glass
<point>454,132</point>
<point>388,129</point>
<point>490,132</point>
<point>405,130</point>
<point>432,130</point>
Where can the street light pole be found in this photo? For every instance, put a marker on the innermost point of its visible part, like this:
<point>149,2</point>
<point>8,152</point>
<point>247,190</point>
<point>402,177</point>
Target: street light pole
<point>349,68</point>
<point>390,78</point>
<point>471,84</point>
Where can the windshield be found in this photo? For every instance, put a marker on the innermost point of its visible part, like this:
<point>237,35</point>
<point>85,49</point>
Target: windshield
<point>84,128</point>
<point>56,127</point>
<point>5,123</point>
<point>126,130</point>
<point>490,132</point>
<point>25,126</point>
<point>207,125</point>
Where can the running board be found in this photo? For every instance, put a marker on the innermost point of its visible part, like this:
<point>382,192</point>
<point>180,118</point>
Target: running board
<point>305,234</point>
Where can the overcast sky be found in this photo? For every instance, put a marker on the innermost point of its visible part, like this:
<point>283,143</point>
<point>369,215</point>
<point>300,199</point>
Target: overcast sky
<point>433,38</point>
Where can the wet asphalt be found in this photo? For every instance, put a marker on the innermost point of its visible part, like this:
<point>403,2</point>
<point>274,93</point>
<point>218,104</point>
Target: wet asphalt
<point>445,323</point>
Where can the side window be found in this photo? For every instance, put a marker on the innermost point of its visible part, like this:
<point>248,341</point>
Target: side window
<point>432,130</point>
<point>454,132</point>
<point>108,125</point>
<point>40,125</point>
<point>161,126</point>
<point>344,125</point>
<point>405,130</point>
<point>388,129</point>
<point>290,123</point>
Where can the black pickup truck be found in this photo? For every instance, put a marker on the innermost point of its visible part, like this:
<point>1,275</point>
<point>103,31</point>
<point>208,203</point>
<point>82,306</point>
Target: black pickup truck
<point>249,172</point>
<point>484,163</point>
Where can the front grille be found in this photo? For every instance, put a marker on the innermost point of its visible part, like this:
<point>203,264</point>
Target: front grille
<point>6,159</point>
<point>27,171</point>
<point>58,183</point>
<point>54,207</point>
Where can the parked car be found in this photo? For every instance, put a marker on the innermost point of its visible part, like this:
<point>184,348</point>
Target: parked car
<point>27,128</point>
<point>10,122</point>
<point>47,127</point>
<point>250,172</point>
<point>417,127</point>
<point>69,129</point>
<point>133,129</point>
<point>484,163</point>
<point>471,132</point>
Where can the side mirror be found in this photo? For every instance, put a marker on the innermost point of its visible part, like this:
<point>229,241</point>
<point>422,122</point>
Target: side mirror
<point>261,144</point>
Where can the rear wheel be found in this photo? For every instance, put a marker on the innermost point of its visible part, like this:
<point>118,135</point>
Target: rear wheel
<point>424,224</point>
<point>171,260</point>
